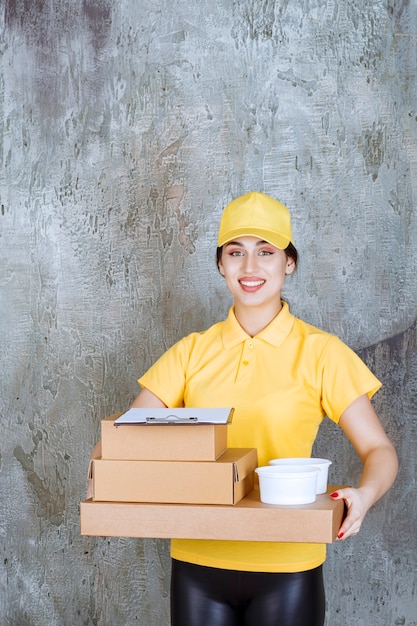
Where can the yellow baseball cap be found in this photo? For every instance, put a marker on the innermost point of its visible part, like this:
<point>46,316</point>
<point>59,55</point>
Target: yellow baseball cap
<point>257,215</point>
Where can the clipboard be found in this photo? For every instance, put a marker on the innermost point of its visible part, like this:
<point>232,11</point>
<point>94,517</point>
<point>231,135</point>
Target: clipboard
<point>195,416</point>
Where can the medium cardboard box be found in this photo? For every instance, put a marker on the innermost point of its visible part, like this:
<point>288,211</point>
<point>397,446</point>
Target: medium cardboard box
<point>224,481</point>
<point>248,520</point>
<point>162,442</point>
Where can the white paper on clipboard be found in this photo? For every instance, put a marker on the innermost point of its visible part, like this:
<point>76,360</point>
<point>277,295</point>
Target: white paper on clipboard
<point>176,416</point>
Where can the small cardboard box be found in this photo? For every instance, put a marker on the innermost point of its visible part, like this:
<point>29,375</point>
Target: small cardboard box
<point>164,442</point>
<point>248,520</point>
<point>224,481</point>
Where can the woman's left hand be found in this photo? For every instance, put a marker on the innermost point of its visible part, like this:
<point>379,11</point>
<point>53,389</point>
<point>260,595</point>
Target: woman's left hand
<point>357,508</point>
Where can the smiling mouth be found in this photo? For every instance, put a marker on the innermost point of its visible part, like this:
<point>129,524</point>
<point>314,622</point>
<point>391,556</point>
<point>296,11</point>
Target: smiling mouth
<point>251,283</point>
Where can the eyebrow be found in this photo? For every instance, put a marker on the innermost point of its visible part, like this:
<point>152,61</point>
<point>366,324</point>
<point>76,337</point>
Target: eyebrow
<point>241,245</point>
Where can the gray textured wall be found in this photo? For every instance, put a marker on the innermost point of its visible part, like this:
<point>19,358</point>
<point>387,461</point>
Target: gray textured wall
<point>125,128</point>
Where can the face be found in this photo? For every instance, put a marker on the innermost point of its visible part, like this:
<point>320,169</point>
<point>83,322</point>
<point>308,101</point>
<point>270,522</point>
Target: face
<point>255,271</point>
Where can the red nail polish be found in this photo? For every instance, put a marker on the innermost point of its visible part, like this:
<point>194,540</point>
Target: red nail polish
<point>334,494</point>
<point>340,535</point>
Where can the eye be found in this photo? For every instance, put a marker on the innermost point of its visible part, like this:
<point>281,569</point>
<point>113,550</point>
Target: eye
<point>235,253</point>
<point>265,252</point>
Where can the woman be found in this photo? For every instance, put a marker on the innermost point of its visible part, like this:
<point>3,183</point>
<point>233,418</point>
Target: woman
<point>282,376</point>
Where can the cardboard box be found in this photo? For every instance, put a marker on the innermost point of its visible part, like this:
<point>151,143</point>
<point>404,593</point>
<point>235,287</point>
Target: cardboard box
<point>224,481</point>
<point>162,442</point>
<point>248,520</point>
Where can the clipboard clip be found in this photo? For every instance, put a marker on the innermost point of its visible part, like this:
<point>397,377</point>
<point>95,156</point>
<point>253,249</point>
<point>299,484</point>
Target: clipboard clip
<point>171,419</point>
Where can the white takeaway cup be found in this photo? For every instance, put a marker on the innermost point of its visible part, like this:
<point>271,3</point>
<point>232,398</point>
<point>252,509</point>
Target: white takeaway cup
<point>322,464</point>
<point>283,484</point>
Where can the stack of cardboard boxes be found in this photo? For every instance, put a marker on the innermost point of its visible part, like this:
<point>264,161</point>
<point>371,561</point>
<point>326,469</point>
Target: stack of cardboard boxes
<point>183,463</point>
<point>181,481</point>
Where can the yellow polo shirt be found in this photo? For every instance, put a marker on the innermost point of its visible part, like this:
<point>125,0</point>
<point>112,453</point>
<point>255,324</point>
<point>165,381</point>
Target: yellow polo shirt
<point>281,383</point>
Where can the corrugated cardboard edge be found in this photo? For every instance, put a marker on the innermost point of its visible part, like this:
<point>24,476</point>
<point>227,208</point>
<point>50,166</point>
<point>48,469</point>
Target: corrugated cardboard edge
<point>248,520</point>
<point>243,475</point>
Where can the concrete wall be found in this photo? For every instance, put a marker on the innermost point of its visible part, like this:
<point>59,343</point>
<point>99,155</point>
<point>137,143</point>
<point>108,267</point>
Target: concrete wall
<point>125,128</point>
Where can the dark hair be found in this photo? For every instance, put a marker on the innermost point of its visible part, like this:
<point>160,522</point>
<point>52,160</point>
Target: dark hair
<point>290,251</point>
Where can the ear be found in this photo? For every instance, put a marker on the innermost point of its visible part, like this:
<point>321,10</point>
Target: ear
<point>220,268</point>
<point>290,266</point>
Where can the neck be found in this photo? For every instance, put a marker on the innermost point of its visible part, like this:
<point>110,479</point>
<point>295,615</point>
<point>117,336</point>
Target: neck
<point>253,320</point>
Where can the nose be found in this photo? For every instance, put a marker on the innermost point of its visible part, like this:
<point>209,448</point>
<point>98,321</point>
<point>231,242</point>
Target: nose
<point>250,262</point>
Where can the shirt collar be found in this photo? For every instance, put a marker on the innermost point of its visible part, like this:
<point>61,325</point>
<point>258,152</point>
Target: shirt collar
<point>274,333</point>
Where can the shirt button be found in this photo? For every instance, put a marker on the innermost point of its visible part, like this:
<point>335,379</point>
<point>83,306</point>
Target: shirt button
<point>245,362</point>
<point>251,346</point>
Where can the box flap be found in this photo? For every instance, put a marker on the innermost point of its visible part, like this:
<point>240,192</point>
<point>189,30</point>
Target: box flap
<point>176,416</point>
<point>244,460</point>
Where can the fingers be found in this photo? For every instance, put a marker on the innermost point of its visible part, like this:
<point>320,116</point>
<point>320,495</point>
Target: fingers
<point>355,512</point>
<point>342,536</point>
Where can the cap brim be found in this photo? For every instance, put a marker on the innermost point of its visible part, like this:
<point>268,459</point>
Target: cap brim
<point>279,241</point>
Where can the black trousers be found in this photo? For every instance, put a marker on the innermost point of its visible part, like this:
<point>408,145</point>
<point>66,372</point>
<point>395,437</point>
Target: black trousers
<point>207,596</point>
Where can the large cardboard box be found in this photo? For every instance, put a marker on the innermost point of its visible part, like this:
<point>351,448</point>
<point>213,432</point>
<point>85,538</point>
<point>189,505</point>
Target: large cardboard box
<point>224,481</point>
<point>163,442</point>
<point>248,520</point>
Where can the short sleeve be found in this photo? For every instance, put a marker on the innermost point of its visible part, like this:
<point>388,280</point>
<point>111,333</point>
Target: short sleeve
<point>345,377</point>
<point>166,377</point>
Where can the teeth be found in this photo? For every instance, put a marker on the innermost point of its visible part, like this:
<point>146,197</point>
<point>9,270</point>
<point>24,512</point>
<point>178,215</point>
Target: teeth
<point>252,283</point>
